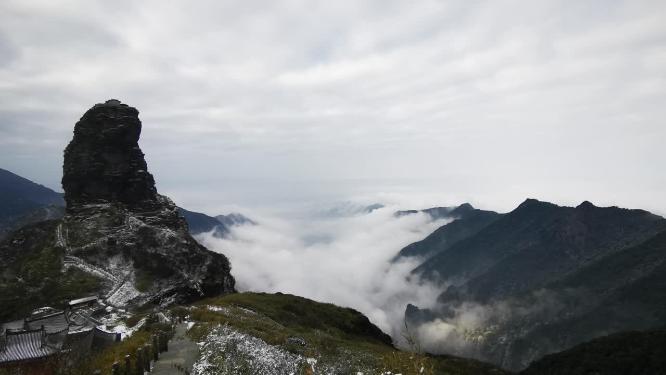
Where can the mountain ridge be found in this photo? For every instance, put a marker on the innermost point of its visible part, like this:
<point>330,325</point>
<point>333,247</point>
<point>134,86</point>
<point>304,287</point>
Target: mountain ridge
<point>578,234</point>
<point>467,221</point>
<point>642,352</point>
<point>541,270</point>
<point>19,198</point>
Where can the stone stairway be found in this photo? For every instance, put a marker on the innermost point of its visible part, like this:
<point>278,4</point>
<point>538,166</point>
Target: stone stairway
<point>182,354</point>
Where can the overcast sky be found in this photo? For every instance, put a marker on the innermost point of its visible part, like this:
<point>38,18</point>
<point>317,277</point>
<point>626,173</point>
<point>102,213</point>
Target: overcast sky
<point>259,103</point>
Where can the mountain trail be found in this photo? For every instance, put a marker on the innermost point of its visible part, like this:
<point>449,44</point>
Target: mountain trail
<point>181,356</point>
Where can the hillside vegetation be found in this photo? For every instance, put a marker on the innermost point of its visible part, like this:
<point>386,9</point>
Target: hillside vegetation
<point>258,332</point>
<point>32,273</point>
<point>627,353</point>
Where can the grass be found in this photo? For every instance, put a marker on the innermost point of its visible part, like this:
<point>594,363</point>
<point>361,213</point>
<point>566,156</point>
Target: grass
<point>144,280</point>
<point>332,334</point>
<point>104,359</point>
<point>407,363</point>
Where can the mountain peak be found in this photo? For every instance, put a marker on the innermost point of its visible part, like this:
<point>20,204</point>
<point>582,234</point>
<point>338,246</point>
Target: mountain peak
<point>145,248</point>
<point>530,201</point>
<point>533,205</point>
<point>103,162</point>
<point>586,205</point>
<point>114,102</point>
<point>463,208</point>
<point>534,202</point>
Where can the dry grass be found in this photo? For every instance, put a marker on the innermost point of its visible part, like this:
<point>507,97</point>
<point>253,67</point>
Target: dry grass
<point>105,359</point>
<point>407,363</point>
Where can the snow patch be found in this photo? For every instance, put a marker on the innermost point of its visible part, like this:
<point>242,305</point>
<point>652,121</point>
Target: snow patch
<point>227,351</point>
<point>125,331</point>
<point>124,293</point>
<point>218,309</point>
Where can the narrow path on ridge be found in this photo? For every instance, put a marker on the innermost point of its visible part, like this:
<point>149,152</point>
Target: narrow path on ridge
<point>182,354</point>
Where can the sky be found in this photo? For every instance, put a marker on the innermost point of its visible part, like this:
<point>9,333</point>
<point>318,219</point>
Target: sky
<point>273,104</point>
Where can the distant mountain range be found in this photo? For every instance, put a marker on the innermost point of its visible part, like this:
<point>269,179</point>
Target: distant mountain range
<point>467,221</point>
<point>437,213</point>
<point>24,202</point>
<point>218,226</point>
<point>347,209</point>
<point>547,277</point>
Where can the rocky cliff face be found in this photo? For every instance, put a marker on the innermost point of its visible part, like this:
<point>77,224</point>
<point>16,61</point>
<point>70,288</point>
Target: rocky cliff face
<point>116,227</point>
<point>103,162</point>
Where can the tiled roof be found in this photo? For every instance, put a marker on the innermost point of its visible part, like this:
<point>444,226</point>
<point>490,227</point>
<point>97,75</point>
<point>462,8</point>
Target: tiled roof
<point>52,323</point>
<point>45,332</point>
<point>28,345</point>
<point>13,325</point>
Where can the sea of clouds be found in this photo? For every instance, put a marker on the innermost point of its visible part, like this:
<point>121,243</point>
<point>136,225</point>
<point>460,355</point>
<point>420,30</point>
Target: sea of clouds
<point>342,255</point>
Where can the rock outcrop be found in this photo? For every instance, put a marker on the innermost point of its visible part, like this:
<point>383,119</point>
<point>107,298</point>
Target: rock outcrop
<point>103,163</point>
<point>116,228</point>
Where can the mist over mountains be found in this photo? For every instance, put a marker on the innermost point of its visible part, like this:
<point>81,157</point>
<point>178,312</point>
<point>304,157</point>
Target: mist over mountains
<point>501,287</point>
<point>539,279</point>
<point>510,287</point>
<point>340,259</point>
<point>303,187</point>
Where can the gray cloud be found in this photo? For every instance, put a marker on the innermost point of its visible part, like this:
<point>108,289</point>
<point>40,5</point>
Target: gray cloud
<point>488,101</point>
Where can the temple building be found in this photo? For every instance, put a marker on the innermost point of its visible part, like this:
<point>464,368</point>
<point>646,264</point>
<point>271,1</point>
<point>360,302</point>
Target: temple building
<point>32,343</point>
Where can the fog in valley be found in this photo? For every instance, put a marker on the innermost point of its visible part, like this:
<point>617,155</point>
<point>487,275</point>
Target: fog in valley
<point>340,254</point>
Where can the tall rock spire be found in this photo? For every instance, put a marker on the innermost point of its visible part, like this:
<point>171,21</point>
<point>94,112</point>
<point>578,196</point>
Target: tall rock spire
<point>103,162</point>
<point>116,221</point>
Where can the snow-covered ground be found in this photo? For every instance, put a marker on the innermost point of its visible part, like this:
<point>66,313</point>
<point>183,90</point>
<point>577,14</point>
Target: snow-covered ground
<point>125,331</point>
<point>228,351</point>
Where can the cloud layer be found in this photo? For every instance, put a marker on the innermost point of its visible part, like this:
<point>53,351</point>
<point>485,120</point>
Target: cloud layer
<point>341,259</point>
<point>489,101</point>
